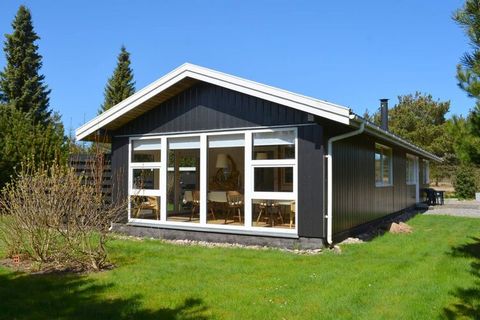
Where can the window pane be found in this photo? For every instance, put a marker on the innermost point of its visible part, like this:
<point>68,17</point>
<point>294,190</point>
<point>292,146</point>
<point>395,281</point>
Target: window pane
<point>273,213</point>
<point>383,165</point>
<point>225,172</point>
<point>226,141</point>
<point>278,179</point>
<point>184,143</point>
<point>145,208</point>
<point>426,172</point>
<point>146,179</point>
<point>274,152</point>
<point>146,150</point>
<point>274,145</point>
<point>386,171</point>
<point>273,138</point>
<point>183,180</point>
<point>378,167</point>
<point>410,170</point>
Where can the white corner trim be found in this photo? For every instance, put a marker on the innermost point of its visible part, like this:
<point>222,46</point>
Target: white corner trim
<point>314,106</point>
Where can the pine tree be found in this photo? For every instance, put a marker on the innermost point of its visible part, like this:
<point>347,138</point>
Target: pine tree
<point>121,85</point>
<point>21,84</point>
<point>21,139</point>
<point>468,71</point>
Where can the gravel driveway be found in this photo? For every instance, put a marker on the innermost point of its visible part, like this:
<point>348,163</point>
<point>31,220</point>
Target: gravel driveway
<point>453,207</point>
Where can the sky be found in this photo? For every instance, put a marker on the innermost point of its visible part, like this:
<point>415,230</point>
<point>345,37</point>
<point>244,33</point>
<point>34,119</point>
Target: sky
<point>347,52</point>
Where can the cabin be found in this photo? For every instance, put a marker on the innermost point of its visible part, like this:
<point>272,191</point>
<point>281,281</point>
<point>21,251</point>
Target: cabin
<point>204,155</point>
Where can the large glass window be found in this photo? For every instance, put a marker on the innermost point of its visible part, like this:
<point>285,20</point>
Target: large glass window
<point>226,171</point>
<point>216,180</point>
<point>383,165</point>
<point>183,179</point>
<point>144,175</point>
<point>273,165</point>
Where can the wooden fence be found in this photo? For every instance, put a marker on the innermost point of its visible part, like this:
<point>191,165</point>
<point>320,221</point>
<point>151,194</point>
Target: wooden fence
<point>85,164</point>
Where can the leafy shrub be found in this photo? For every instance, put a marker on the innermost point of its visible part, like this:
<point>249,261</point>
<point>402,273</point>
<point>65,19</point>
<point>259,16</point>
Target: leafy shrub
<point>57,218</point>
<point>465,182</point>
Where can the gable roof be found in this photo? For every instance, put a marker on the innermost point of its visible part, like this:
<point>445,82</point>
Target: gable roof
<point>188,74</point>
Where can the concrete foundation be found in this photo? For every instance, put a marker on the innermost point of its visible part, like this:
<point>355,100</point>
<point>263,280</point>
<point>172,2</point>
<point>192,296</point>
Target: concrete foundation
<point>173,234</point>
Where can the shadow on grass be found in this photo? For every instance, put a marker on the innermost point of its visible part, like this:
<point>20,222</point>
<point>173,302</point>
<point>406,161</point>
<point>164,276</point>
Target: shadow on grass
<point>469,298</point>
<point>24,296</point>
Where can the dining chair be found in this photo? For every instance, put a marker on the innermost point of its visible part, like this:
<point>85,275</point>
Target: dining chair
<point>216,199</point>
<point>267,206</point>
<point>235,203</point>
<point>149,203</point>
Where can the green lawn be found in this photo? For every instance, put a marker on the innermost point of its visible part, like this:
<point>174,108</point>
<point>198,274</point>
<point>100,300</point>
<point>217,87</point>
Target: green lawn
<point>431,273</point>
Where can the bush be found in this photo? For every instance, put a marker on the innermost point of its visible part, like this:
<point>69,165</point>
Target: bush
<point>465,182</point>
<point>57,218</point>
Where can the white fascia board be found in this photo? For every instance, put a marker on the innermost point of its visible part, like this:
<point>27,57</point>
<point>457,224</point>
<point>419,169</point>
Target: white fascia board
<point>314,106</point>
<point>130,103</point>
<point>317,107</point>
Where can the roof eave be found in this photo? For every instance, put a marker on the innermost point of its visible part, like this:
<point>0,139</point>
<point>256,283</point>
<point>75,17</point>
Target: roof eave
<point>316,107</point>
<point>375,130</point>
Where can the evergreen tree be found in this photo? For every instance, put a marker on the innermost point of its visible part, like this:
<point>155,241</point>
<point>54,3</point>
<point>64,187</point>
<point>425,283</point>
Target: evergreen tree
<point>21,84</point>
<point>464,182</point>
<point>468,71</point>
<point>121,85</point>
<point>21,138</point>
<point>420,119</point>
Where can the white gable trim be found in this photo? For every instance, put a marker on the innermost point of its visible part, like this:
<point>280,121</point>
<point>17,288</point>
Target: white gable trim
<point>314,106</point>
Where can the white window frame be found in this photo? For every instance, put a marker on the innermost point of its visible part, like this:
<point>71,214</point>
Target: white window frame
<point>249,193</point>
<point>413,173</point>
<point>132,192</point>
<point>275,163</point>
<point>426,171</point>
<point>390,171</point>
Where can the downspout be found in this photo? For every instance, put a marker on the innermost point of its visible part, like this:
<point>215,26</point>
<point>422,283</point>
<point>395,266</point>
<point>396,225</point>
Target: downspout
<point>329,155</point>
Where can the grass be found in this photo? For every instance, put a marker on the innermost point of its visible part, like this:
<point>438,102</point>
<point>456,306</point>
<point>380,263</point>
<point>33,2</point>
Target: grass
<point>431,273</point>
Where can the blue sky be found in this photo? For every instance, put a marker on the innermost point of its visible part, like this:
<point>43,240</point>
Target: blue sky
<point>347,52</point>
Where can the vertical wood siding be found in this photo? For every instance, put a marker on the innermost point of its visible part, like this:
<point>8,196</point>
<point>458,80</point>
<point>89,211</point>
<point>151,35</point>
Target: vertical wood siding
<point>120,170</point>
<point>206,107</point>
<point>356,199</point>
<point>310,182</point>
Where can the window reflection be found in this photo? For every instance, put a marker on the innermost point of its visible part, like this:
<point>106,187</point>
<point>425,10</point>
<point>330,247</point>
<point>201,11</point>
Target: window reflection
<point>273,179</point>
<point>147,179</point>
<point>147,150</point>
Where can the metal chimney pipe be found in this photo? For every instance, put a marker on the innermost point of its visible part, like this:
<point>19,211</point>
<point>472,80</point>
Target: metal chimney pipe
<point>384,114</point>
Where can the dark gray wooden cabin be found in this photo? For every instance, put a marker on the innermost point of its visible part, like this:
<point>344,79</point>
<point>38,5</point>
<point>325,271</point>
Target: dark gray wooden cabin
<point>204,155</point>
